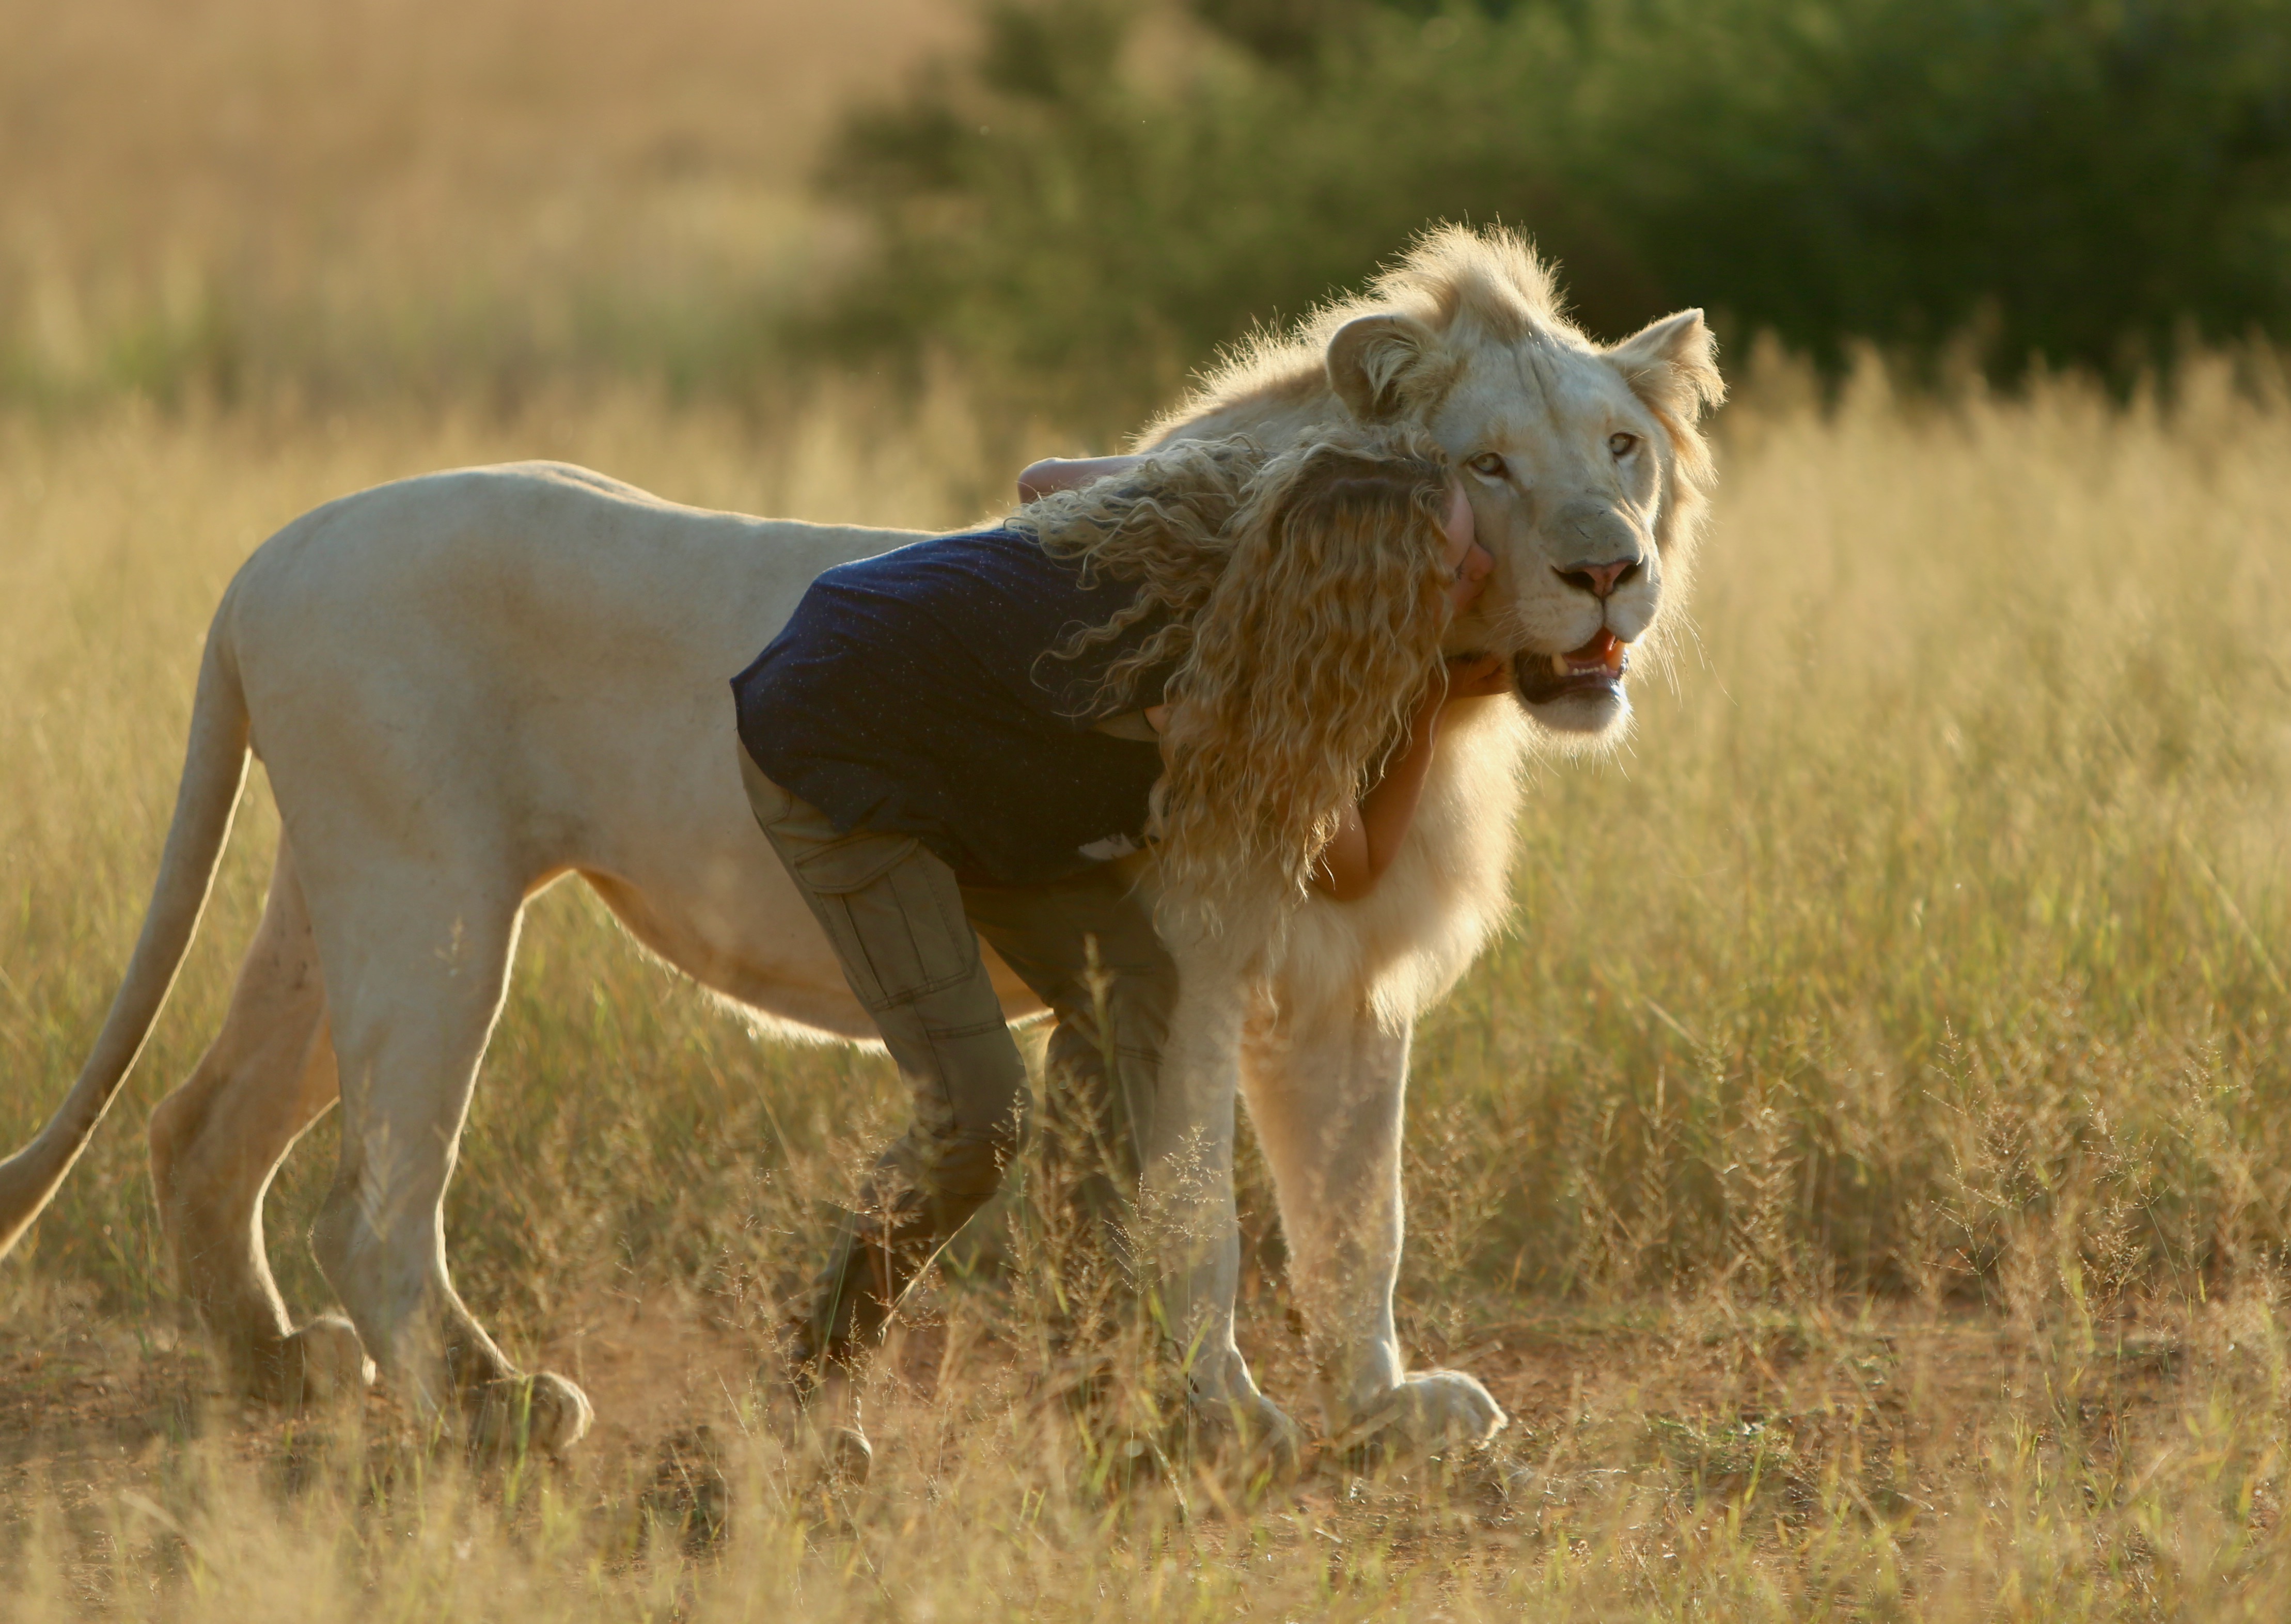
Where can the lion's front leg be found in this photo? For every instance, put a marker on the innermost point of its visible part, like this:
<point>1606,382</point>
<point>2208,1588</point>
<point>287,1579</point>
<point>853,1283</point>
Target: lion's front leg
<point>1326,1094</point>
<point>1186,1206</point>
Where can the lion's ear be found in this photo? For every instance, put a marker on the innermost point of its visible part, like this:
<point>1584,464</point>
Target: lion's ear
<point>1669,364</point>
<point>1379,364</point>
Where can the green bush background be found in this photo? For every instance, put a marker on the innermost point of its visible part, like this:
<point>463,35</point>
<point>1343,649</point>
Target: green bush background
<point>1066,206</point>
<point>1104,191</point>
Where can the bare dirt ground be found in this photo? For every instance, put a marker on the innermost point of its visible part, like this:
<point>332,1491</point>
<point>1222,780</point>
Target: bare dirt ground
<point>1705,1392</point>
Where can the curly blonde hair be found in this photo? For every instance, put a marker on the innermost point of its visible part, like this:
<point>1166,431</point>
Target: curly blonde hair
<point>1304,599</point>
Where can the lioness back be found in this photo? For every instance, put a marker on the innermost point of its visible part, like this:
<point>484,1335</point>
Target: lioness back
<point>533,644</point>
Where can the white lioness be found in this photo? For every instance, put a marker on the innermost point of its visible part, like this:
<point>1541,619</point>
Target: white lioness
<point>468,685</point>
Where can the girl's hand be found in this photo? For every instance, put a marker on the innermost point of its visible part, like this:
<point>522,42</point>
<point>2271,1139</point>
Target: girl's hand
<point>1477,676</point>
<point>1069,473</point>
<point>1469,676</point>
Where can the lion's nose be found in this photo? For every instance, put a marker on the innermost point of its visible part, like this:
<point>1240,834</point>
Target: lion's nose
<point>1599,580</point>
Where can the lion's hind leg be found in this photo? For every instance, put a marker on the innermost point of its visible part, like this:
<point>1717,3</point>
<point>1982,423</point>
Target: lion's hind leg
<point>216,1142</point>
<point>417,959</point>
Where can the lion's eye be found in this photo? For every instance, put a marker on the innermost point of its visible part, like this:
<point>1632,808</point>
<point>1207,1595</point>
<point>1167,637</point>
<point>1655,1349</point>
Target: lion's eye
<point>1622,445</point>
<point>1489,463</point>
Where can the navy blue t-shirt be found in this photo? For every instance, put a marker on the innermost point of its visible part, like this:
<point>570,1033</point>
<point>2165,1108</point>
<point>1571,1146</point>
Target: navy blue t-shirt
<point>913,693</point>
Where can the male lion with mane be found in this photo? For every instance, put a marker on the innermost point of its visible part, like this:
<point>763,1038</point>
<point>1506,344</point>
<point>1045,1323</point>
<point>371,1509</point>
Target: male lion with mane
<point>466,685</point>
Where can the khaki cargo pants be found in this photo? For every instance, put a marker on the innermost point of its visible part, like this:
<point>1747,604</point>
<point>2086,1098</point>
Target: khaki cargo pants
<point>907,933</point>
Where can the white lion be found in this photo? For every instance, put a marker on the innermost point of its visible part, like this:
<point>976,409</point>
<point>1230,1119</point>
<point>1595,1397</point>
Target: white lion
<point>467,686</point>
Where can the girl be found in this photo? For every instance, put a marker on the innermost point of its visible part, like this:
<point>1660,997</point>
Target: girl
<point>1234,656</point>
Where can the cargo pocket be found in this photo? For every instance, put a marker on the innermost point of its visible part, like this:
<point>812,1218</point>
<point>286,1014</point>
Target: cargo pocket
<point>895,913</point>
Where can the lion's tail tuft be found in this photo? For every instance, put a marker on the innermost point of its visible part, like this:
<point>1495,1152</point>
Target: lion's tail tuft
<point>215,769</point>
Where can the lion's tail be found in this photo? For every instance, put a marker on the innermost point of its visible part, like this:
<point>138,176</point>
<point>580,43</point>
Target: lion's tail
<point>214,767</point>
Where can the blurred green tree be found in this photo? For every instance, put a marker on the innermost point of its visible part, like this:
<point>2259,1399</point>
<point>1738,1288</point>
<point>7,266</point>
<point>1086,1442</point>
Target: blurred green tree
<point>1106,190</point>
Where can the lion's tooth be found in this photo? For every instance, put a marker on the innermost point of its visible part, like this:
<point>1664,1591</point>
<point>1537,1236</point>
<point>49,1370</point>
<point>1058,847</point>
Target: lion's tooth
<point>1559,665</point>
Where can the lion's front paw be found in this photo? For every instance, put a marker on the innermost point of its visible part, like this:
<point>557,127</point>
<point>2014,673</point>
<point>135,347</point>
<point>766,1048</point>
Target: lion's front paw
<point>324,1361</point>
<point>1425,1413</point>
<point>1251,1430</point>
<point>542,1412</point>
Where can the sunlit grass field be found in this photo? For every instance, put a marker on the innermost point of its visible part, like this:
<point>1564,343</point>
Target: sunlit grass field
<point>379,197</point>
<point>1862,1174</point>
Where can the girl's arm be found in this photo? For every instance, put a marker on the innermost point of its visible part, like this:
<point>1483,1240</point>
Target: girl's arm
<point>1068,473</point>
<point>1369,838</point>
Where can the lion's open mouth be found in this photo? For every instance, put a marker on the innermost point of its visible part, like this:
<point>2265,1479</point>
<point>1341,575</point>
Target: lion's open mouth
<point>1595,668</point>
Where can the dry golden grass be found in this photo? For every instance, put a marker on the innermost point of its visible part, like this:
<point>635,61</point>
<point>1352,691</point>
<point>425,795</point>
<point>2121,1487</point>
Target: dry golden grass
<point>1863,1176</point>
<point>351,198</point>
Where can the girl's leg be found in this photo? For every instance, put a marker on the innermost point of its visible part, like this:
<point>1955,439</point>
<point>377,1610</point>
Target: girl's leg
<point>1088,948</point>
<point>894,914</point>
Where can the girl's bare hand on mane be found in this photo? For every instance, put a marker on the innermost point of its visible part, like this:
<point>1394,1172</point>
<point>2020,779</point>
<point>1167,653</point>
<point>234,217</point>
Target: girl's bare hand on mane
<point>1039,480</point>
<point>1476,676</point>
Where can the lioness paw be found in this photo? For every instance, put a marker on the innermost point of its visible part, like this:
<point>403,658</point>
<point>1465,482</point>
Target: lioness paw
<point>543,1413</point>
<point>1426,1412</point>
<point>322,1364</point>
<point>1251,1430</point>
